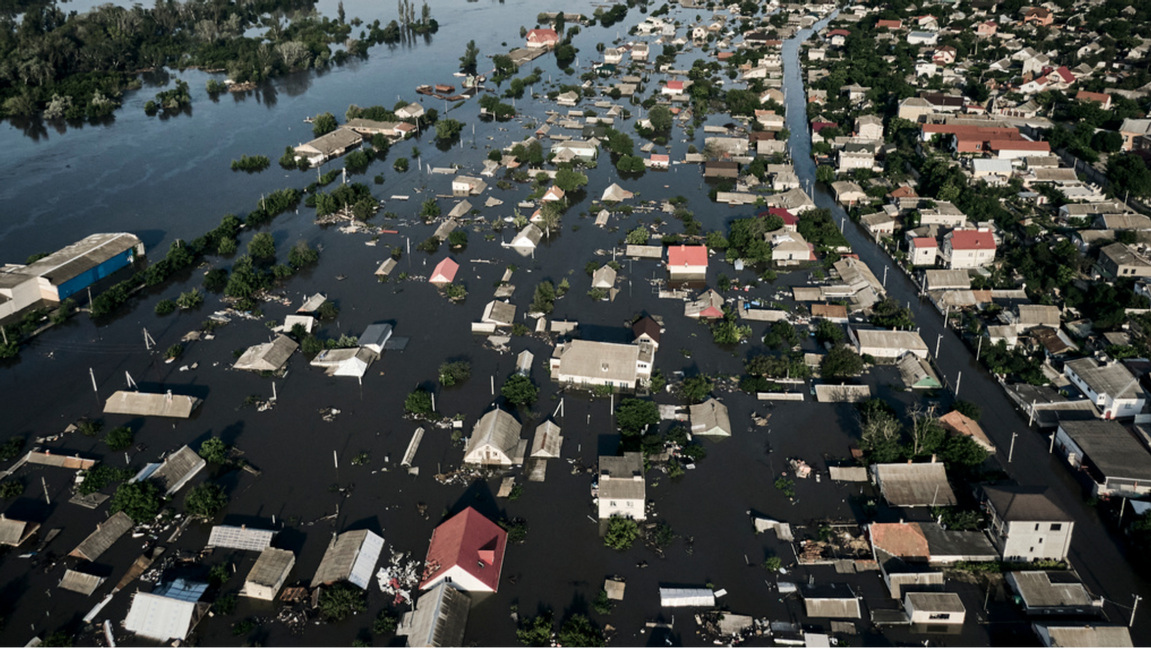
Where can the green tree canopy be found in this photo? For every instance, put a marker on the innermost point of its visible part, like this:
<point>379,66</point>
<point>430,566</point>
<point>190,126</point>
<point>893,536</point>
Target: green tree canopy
<point>621,533</point>
<point>205,501</point>
<point>841,362</point>
<point>519,390</point>
<point>633,415</point>
<point>139,500</point>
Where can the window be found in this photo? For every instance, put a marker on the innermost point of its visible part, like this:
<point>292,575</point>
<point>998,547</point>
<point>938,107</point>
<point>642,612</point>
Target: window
<point>1040,540</point>
<point>939,616</point>
<point>1036,527</point>
<point>1056,527</point>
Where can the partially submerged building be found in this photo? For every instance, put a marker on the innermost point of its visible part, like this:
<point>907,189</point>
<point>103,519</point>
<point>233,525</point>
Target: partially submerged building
<point>1053,593</point>
<point>135,403</point>
<point>268,574</point>
<point>914,484</point>
<point>350,557</point>
<point>352,362</point>
<point>622,489</point>
<point>168,613</point>
<point>328,146</point>
<point>710,418</point>
<point>1026,525</point>
<point>174,472</point>
<point>548,441</point>
<point>438,618</point>
<point>831,601</point>
<point>465,552</point>
<point>15,532</point>
<point>495,441</point>
<point>587,363</point>
<point>240,537</point>
<point>1115,462</point>
<point>105,535</point>
<point>268,356</point>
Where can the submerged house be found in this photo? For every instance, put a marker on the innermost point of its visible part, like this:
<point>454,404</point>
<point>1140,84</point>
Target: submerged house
<point>269,356</point>
<point>174,472</point>
<point>350,557</point>
<point>268,574</point>
<point>622,488</point>
<point>328,146</point>
<point>439,618</point>
<point>353,362</point>
<point>587,363</point>
<point>466,552</point>
<point>496,441</point>
<point>168,613</point>
<point>710,418</point>
<point>134,403</point>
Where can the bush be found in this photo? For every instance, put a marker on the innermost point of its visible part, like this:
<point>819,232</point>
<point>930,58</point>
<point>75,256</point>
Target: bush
<point>633,415</point>
<point>119,438</point>
<point>101,476</point>
<point>215,280</point>
<point>341,600</point>
<point>214,450</point>
<point>453,373</point>
<point>968,409</point>
<point>401,164</point>
<point>385,622</point>
<point>11,448</point>
<point>519,390</point>
<point>10,488</point>
<point>139,501</point>
<point>602,603</point>
<point>173,352</point>
<point>205,501</point>
<point>189,300</point>
<point>773,564</point>
<point>621,533</point>
<point>165,307</point>
<point>419,402</point>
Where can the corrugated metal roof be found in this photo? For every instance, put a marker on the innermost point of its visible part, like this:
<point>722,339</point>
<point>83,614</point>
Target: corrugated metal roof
<point>81,256</point>
<point>439,618</point>
<point>80,582</point>
<point>269,356</point>
<point>142,404</point>
<point>161,618</point>
<point>547,441</point>
<point>15,532</point>
<point>177,469</point>
<point>105,535</point>
<point>922,484</point>
<point>343,558</point>
<point>240,537</point>
<point>271,567</point>
<point>710,417</point>
<point>686,597</point>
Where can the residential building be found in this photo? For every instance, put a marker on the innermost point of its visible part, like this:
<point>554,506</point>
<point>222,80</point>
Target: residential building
<point>170,612</point>
<point>622,490</point>
<point>268,574</point>
<point>1117,261</point>
<point>1109,385</point>
<point>328,146</point>
<point>1116,463</point>
<point>1026,525</point>
<point>934,608</point>
<point>914,484</point>
<point>1053,593</point>
<point>588,363</point>
<point>687,261</point>
<point>959,424</point>
<point>709,305</point>
<point>269,356</point>
<point>710,418</point>
<point>831,600</point>
<point>883,344</point>
<point>968,248</point>
<point>1079,634</point>
<point>922,251</point>
<point>15,532</point>
<point>438,619</point>
<point>444,272</point>
<point>646,330</point>
<point>240,537</point>
<point>495,441</point>
<point>465,552</point>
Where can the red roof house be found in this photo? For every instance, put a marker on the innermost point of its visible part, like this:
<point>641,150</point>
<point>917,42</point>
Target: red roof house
<point>467,551</point>
<point>687,260</point>
<point>889,24</point>
<point>790,220</point>
<point>444,272</point>
<point>1101,97</point>
<point>972,240</point>
<point>543,38</point>
<point>673,87</point>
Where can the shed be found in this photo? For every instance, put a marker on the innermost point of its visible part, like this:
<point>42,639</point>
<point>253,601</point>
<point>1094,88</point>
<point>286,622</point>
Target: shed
<point>1053,593</point>
<point>911,484</point>
<point>165,616</point>
<point>524,362</point>
<point>105,535</point>
<point>934,608</point>
<point>15,532</point>
<point>527,239</point>
<point>240,537</point>
<point>439,618</point>
<point>79,582</point>
<point>710,418</point>
<point>548,441</point>
<point>268,574</point>
<point>351,556</point>
<point>831,601</point>
<point>290,322</point>
<point>644,251</point>
<point>143,404</point>
<point>686,597</point>
<point>269,356</point>
<point>842,393</point>
<point>375,337</point>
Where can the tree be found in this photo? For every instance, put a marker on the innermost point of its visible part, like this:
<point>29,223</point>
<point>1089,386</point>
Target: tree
<point>633,415</point>
<point>927,434</point>
<point>621,533</point>
<point>696,389</point>
<point>841,362</point>
<point>119,438</point>
<point>448,129</point>
<point>828,332</point>
<point>262,247</point>
<point>544,299</point>
<point>468,60</point>
<point>536,631</point>
<point>727,331</point>
<point>1127,172</point>
<point>205,501</point>
<point>323,123</point>
<point>968,409</point>
<point>341,600</point>
<point>570,180</point>
<point>519,390</point>
<point>419,402</point>
<point>660,118</point>
<point>139,501</point>
<point>579,631</point>
<point>962,451</point>
<point>191,299</point>
<point>429,209</point>
<point>214,450</point>
<point>302,255</point>
<point>888,313</point>
<point>825,174</point>
<point>639,236</point>
<point>401,164</point>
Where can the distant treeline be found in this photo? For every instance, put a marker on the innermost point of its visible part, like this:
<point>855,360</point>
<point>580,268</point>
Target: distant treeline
<point>79,64</point>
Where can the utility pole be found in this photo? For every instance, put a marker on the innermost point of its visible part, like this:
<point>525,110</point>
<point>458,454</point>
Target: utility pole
<point>979,349</point>
<point>937,342</point>
<point>885,268</point>
<point>958,381</point>
<point>1011,452</point>
<point>1133,608</point>
<point>93,375</point>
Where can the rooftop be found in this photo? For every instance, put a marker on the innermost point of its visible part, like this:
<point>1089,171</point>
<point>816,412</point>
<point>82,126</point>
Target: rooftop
<point>1024,504</point>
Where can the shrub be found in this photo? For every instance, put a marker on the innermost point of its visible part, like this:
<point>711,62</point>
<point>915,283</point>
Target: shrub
<point>621,533</point>
<point>139,500</point>
<point>519,390</point>
<point>10,488</point>
<point>341,600</point>
<point>419,402</point>
<point>165,307</point>
<point>119,438</point>
<point>205,501</point>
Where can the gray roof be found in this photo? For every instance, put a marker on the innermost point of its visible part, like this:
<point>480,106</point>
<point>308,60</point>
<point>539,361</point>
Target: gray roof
<point>622,477</point>
<point>106,533</point>
<point>177,469</point>
<point>15,532</point>
<point>1040,589</point>
<point>948,279</point>
<point>80,257</point>
<point>240,537</point>
<point>142,404</point>
<point>922,484</point>
<point>499,312</point>
<point>335,141</point>
<point>1038,315</point>
<point>832,600</point>
<point>80,582</point>
<point>269,356</point>
<point>606,360</point>
<point>885,339</point>
<point>915,371</point>
<point>271,567</point>
<point>376,335</point>
<point>1111,378</point>
<point>935,601</point>
<point>947,542</point>
<point>1087,636</point>
<point>547,441</point>
<point>1110,448</point>
<point>1024,504</point>
<point>710,417</point>
<point>439,618</point>
<point>343,554</point>
<point>498,428</point>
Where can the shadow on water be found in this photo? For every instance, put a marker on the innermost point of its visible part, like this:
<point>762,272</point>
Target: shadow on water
<point>480,497</point>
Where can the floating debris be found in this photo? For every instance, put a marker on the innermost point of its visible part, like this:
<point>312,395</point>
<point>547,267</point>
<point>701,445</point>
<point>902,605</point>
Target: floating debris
<point>329,414</point>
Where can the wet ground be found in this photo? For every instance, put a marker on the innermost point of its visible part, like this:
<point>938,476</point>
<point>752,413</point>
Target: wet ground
<point>563,562</point>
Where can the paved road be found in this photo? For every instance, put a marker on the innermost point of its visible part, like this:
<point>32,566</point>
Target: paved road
<point>1097,555</point>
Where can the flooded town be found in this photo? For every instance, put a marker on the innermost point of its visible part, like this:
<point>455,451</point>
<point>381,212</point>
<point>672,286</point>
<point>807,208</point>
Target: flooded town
<point>495,322</point>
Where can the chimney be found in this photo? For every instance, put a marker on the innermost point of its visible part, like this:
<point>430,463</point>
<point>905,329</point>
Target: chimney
<point>933,458</point>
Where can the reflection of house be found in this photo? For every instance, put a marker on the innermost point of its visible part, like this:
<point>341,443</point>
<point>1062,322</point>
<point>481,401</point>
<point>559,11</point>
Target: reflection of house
<point>495,441</point>
<point>466,552</point>
<point>622,489</point>
<point>1026,525</point>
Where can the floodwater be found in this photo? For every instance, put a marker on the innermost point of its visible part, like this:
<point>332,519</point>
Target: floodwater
<point>167,179</point>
